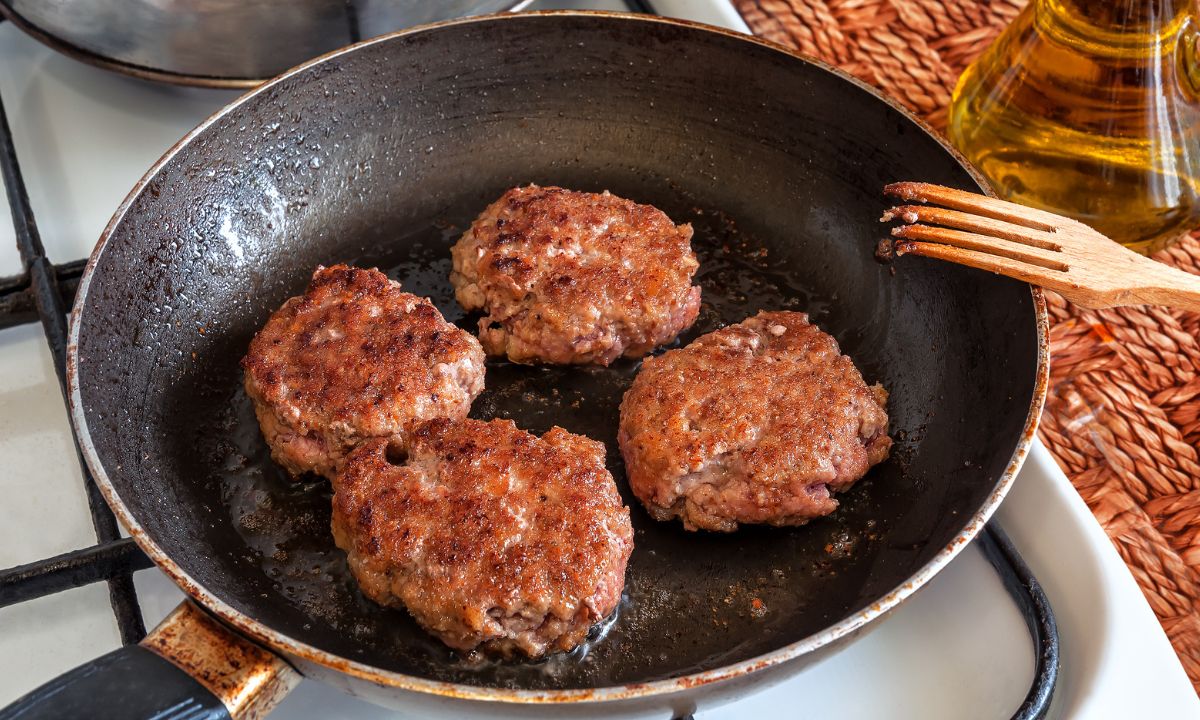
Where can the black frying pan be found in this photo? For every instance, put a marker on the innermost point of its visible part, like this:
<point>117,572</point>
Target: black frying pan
<point>380,155</point>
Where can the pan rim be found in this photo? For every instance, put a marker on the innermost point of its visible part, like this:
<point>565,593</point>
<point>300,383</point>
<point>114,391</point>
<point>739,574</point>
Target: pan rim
<point>292,648</point>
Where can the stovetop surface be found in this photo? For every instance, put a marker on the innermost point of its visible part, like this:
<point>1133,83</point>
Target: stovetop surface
<point>957,649</point>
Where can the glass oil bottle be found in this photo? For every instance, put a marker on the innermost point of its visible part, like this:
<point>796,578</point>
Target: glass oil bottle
<point>1089,108</point>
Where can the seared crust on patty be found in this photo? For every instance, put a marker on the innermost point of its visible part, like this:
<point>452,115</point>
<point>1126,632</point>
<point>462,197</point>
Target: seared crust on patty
<point>573,277</point>
<point>353,358</point>
<point>491,537</point>
<point>759,422</point>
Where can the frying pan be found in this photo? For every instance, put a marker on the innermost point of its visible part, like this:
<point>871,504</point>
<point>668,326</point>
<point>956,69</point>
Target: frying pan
<point>380,155</point>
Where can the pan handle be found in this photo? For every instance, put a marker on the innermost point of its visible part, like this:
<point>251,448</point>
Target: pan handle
<point>189,668</point>
<point>1031,600</point>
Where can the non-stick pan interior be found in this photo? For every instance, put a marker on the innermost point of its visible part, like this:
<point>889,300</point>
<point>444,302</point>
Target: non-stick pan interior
<point>381,156</point>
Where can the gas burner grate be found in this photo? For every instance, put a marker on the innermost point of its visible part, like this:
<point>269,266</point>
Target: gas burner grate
<point>43,292</point>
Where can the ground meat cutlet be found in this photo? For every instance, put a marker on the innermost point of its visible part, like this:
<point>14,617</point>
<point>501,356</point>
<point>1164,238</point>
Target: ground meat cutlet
<point>571,277</point>
<point>493,538</point>
<point>759,422</point>
<point>353,358</point>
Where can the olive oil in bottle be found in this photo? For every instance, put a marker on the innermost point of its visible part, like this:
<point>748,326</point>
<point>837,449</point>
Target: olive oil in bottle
<point>1089,108</point>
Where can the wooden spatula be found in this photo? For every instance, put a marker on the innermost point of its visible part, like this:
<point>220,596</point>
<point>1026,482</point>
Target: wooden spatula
<point>1038,247</point>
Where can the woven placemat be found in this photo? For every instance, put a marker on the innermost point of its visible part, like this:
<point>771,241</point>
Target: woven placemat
<point>1123,413</point>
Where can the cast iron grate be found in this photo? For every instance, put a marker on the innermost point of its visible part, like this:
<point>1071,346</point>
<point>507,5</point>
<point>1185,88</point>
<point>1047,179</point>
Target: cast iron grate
<point>44,291</point>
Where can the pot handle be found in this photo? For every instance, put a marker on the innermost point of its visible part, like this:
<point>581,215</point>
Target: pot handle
<point>190,667</point>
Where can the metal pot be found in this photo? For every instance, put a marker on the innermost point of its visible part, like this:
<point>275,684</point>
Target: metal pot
<point>221,43</point>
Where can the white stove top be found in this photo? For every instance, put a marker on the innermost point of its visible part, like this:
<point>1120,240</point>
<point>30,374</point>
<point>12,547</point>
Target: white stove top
<point>958,649</point>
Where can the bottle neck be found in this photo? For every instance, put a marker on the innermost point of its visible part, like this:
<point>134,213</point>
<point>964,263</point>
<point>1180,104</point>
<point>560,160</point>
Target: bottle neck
<point>1120,16</point>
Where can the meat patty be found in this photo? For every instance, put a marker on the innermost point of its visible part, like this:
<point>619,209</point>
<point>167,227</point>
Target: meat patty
<point>492,538</point>
<point>759,422</point>
<point>353,358</point>
<point>571,277</point>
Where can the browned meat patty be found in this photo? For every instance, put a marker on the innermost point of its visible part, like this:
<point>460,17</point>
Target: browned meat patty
<point>759,422</point>
<point>572,277</point>
<point>493,538</point>
<point>353,358</point>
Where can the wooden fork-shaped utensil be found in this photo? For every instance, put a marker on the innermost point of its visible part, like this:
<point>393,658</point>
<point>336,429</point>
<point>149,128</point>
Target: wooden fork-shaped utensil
<point>1038,247</point>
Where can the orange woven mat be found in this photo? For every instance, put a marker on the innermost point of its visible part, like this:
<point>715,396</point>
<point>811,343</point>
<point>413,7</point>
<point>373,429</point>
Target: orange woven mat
<point>1123,413</point>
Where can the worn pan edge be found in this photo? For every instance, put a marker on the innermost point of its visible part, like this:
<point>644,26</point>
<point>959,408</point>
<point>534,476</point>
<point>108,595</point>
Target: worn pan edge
<point>289,646</point>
